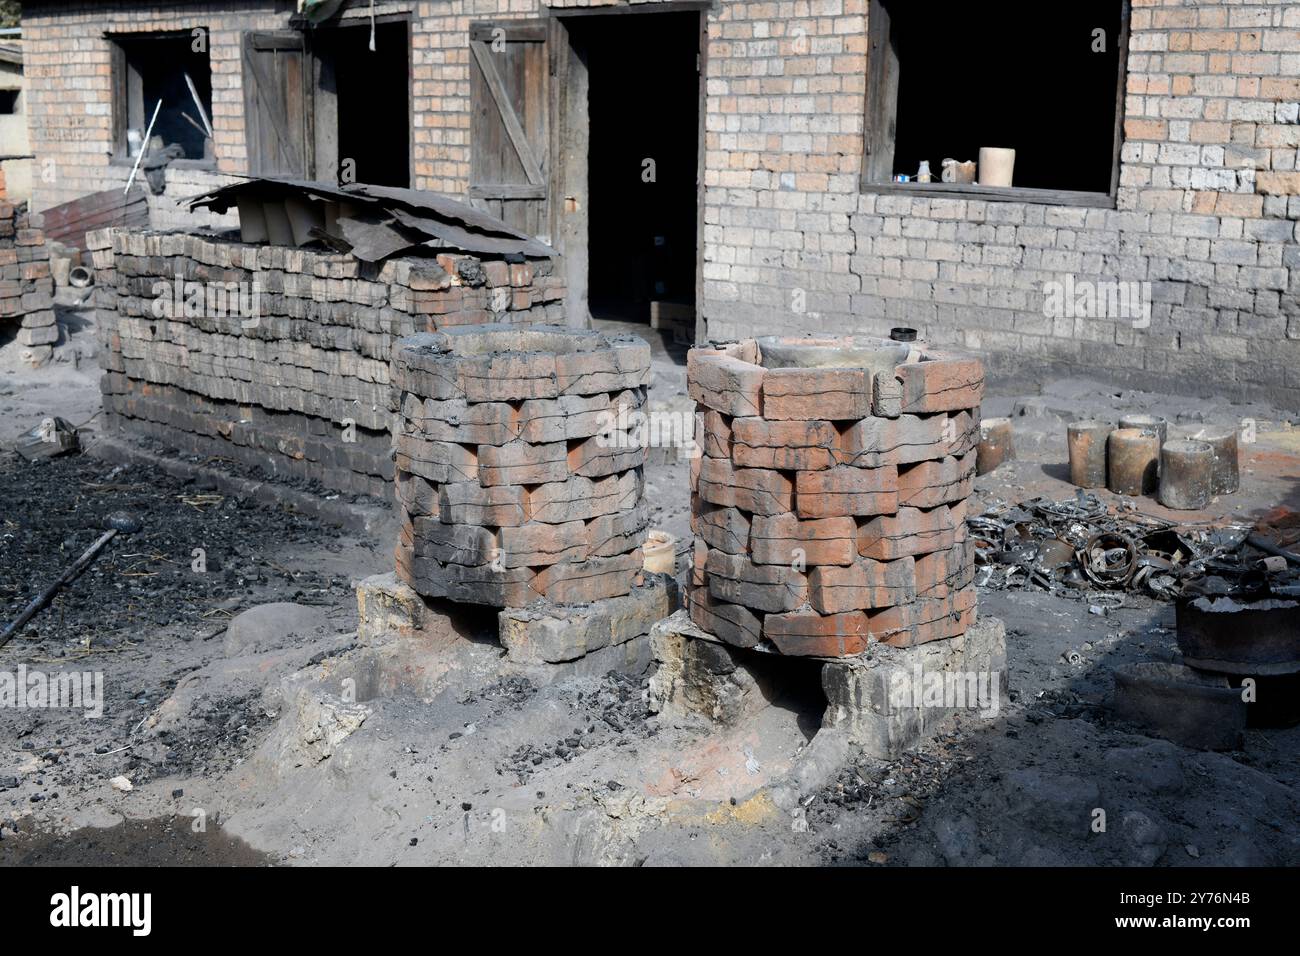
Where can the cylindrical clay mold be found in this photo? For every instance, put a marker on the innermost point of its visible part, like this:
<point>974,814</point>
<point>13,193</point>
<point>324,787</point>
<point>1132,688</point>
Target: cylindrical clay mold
<point>1225,475</point>
<point>1150,423</point>
<point>1185,468</point>
<point>995,445</point>
<point>1087,441</point>
<point>1132,456</point>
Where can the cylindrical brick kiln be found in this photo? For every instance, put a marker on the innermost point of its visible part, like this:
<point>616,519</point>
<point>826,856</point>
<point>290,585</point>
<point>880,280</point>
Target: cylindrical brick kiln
<point>829,505</point>
<point>517,479</point>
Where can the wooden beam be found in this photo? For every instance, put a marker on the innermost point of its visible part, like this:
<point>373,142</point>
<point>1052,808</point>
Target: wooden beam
<point>880,107</point>
<point>506,191</point>
<point>1121,91</point>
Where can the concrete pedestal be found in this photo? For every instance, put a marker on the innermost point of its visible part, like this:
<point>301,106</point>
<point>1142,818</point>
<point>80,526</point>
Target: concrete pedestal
<point>886,700</point>
<point>610,634</point>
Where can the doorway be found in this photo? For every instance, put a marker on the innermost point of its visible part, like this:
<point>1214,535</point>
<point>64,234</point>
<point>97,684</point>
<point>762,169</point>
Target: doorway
<point>363,112</point>
<point>634,143</point>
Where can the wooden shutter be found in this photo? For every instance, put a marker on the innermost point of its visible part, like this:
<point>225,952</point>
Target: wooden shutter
<point>277,104</point>
<point>509,144</point>
<point>881,118</point>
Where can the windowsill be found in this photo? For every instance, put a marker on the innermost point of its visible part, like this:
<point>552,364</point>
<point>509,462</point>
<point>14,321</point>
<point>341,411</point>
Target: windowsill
<point>1043,197</point>
<point>205,165</point>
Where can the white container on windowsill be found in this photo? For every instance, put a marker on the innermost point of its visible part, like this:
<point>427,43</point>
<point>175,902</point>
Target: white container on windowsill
<point>997,166</point>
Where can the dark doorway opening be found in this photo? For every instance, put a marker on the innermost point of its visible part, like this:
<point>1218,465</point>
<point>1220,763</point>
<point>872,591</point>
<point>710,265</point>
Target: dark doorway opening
<point>643,156</point>
<point>363,104</point>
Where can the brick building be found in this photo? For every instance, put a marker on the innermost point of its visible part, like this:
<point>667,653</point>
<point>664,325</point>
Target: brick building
<point>1156,155</point>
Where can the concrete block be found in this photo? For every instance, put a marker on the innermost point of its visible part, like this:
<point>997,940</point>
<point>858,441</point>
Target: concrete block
<point>549,633</point>
<point>698,678</point>
<point>888,699</point>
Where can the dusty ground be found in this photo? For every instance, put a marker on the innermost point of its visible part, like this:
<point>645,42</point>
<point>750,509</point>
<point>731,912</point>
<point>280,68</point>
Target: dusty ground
<point>278,740</point>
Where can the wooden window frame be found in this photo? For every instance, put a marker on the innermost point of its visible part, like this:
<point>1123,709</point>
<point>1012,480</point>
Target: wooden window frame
<point>880,113</point>
<point>120,80</point>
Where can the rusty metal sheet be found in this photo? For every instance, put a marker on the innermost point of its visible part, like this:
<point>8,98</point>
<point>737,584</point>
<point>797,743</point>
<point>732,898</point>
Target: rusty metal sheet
<point>386,215</point>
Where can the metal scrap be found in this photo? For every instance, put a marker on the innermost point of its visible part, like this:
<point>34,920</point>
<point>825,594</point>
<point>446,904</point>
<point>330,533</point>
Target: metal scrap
<point>1084,547</point>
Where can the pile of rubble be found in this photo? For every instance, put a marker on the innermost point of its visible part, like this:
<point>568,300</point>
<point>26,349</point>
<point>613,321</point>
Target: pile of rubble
<point>26,286</point>
<point>1081,545</point>
<point>514,481</point>
<point>829,505</point>
<point>278,358</point>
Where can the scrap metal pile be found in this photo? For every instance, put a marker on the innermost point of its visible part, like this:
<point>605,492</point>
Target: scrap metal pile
<point>1081,545</point>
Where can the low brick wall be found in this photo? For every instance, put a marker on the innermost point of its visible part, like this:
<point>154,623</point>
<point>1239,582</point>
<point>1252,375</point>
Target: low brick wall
<point>26,286</point>
<point>514,482</point>
<point>278,358</point>
<point>829,505</point>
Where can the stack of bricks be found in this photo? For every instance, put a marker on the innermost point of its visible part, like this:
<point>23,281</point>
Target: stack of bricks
<point>279,358</point>
<point>26,286</point>
<point>829,503</point>
<point>515,480</point>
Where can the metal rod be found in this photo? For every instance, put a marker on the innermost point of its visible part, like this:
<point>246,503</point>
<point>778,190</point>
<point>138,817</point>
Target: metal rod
<point>203,114</point>
<point>1268,547</point>
<point>44,597</point>
<point>144,148</point>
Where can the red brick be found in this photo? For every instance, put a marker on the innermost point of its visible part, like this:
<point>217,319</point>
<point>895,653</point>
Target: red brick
<point>713,433</point>
<point>910,532</point>
<point>847,491</point>
<point>909,438</point>
<point>756,490</point>
<point>886,395</point>
<point>723,383</point>
<point>941,383</point>
<point>924,620</point>
<point>737,580</point>
<point>508,377</point>
<point>416,495</point>
<point>468,502</point>
<point>602,455</point>
<point>776,539</point>
<point>591,580</point>
<point>941,572</point>
<point>806,633</point>
<point>437,461</point>
<point>613,369</point>
<point>699,559</point>
<point>537,545</point>
<point>784,445</point>
<point>572,416</point>
<point>723,528</point>
<point>581,499</point>
<point>454,543</point>
<point>862,585</point>
<point>731,623</point>
<point>519,463</point>
<point>615,534</point>
<point>936,482</point>
<point>835,394</point>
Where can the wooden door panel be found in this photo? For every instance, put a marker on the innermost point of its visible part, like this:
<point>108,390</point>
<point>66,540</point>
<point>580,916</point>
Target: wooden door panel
<point>277,107</point>
<point>509,134</point>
